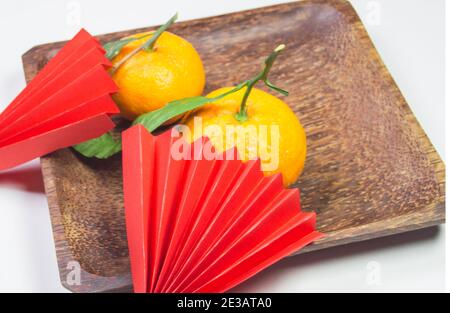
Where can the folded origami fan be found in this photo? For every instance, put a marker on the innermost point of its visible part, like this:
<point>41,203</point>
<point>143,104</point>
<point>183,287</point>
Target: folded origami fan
<point>197,223</point>
<point>68,102</point>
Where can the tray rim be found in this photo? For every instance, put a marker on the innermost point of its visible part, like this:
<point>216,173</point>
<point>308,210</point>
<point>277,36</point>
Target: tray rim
<point>431,215</point>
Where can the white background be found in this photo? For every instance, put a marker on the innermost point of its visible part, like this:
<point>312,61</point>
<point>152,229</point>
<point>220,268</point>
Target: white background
<point>409,34</point>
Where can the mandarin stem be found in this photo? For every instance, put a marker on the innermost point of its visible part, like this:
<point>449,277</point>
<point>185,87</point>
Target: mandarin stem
<point>148,45</point>
<point>242,115</point>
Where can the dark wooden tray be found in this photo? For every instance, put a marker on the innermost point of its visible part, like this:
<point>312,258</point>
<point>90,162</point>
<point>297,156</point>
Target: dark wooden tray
<point>371,171</point>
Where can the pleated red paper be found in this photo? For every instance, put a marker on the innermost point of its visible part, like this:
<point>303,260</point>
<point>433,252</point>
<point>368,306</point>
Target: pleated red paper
<point>68,102</point>
<point>203,225</point>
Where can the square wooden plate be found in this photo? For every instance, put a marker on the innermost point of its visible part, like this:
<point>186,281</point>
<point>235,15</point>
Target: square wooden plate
<point>371,171</point>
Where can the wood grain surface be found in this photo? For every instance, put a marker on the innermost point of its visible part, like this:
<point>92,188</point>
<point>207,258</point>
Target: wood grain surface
<point>371,171</point>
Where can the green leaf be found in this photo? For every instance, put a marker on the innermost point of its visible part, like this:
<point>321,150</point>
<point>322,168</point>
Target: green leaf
<point>105,146</point>
<point>153,120</point>
<point>113,48</point>
<point>101,147</point>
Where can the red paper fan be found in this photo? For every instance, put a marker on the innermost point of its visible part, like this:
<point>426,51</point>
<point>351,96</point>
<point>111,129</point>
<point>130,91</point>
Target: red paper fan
<point>68,102</point>
<point>204,224</point>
